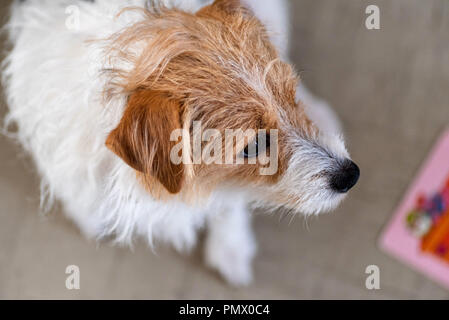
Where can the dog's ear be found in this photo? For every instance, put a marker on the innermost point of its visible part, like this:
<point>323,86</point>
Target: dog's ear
<point>142,138</point>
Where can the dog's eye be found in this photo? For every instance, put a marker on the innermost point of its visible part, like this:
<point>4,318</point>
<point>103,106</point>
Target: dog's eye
<point>255,147</point>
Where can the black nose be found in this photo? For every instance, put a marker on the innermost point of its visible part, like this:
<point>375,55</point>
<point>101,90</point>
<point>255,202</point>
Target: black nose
<point>346,177</point>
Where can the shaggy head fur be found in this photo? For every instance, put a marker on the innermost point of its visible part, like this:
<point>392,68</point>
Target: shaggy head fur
<point>216,67</point>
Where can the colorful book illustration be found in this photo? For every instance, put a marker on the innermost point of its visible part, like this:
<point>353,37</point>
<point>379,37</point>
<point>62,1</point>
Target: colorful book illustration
<point>418,233</point>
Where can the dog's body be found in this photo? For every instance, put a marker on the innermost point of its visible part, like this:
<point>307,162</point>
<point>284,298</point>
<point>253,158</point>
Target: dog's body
<point>55,86</point>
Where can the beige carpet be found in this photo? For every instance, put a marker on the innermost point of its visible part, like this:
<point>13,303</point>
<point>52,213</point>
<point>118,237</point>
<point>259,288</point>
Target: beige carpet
<point>389,86</point>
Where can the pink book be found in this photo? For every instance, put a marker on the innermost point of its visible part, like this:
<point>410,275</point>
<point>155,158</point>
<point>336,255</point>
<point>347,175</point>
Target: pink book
<point>418,233</point>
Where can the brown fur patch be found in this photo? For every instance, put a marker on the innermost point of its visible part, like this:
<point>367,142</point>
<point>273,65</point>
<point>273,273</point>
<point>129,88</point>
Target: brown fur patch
<point>142,137</point>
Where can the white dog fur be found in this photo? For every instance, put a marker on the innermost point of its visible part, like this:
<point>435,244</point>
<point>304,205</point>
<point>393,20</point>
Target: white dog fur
<point>53,91</point>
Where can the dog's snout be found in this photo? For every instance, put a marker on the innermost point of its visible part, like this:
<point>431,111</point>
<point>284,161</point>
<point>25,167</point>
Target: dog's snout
<point>346,177</point>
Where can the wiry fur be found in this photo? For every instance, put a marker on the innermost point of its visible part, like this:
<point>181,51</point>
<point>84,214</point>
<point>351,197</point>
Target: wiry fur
<point>68,90</point>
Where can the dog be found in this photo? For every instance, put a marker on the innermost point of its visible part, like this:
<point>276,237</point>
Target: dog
<point>96,89</point>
